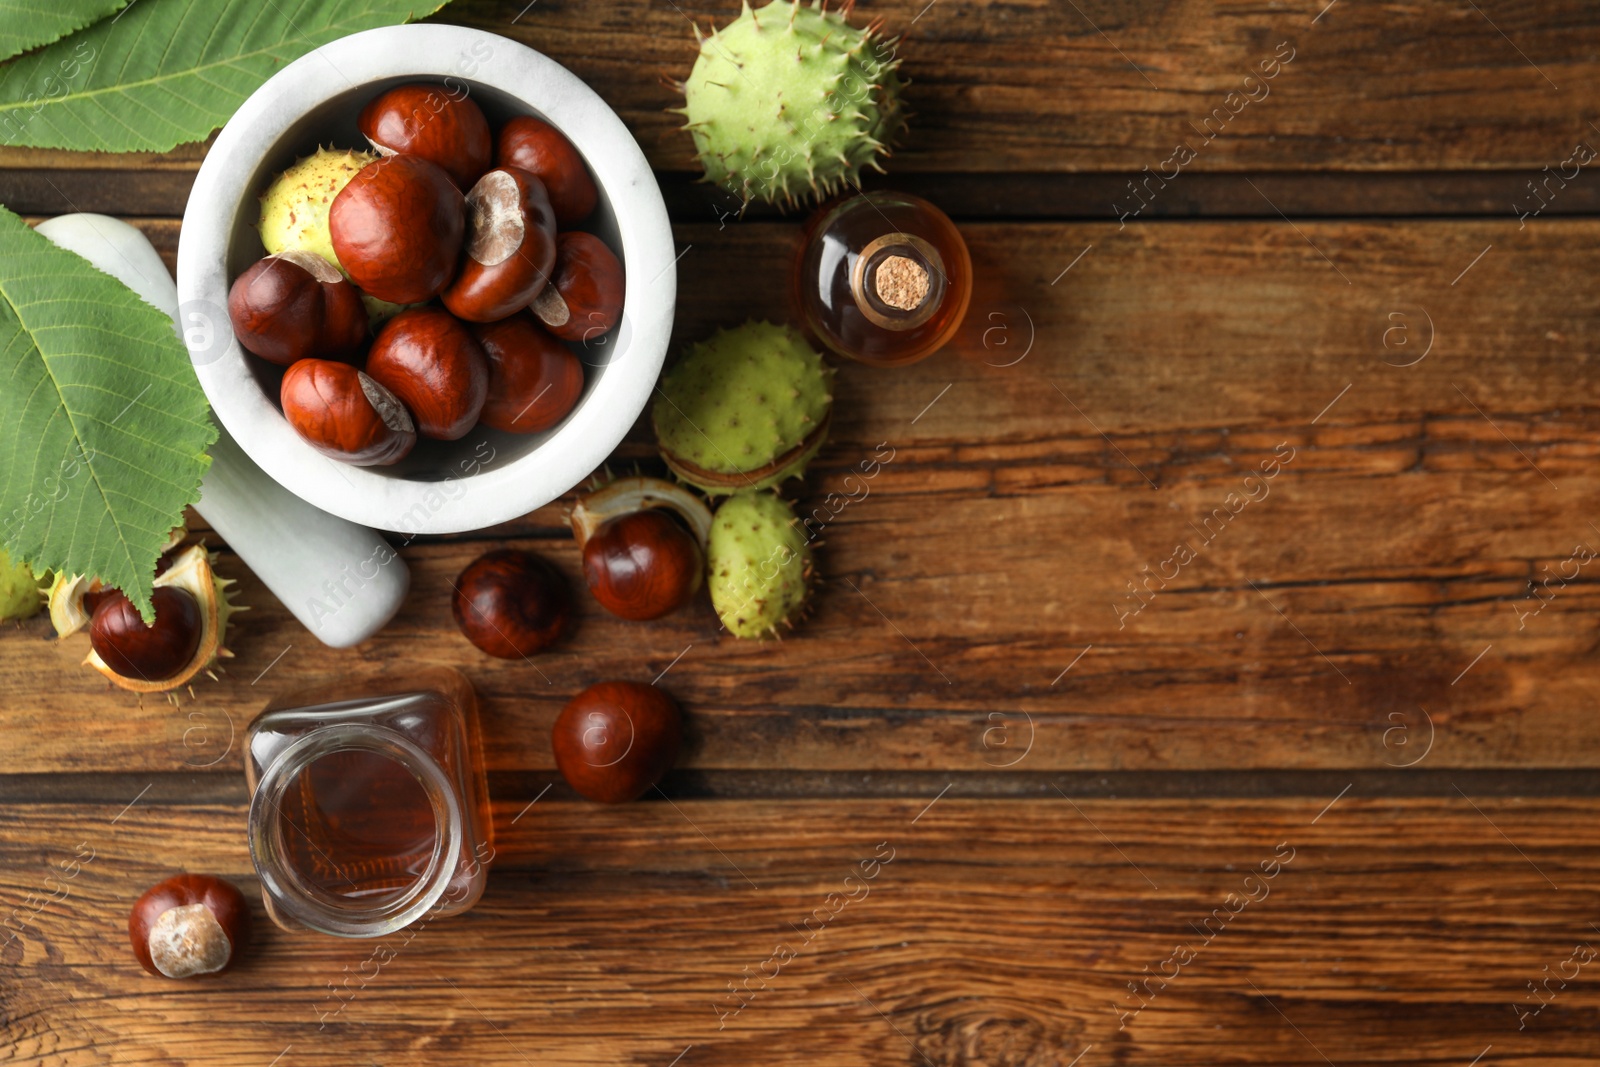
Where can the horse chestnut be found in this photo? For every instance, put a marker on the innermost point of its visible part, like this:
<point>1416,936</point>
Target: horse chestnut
<point>615,740</point>
<point>189,926</point>
<point>346,415</point>
<point>643,566</point>
<point>584,298</point>
<point>295,305</point>
<point>150,653</point>
<point>428,358</point>
<point>639,560</point>
<point>511,603</point>
<point>538,147</point>
<point>534,380</point>
<point>429,121</point>
<point>397,229</point>
<point>511,247</point>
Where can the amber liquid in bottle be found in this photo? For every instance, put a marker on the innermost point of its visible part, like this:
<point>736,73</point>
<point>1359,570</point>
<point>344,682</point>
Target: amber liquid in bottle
<point>365,826</point>
<point>883,278</point>
<point>356,830</point>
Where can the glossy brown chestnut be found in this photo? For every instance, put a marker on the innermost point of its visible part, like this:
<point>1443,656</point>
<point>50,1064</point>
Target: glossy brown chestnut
<point>511,603</point>
<point>295,305</point>
<point>536,146</point>
<point>534,380</point>
<point>346,415</point>
<point>510,250</point>
<point>615,740</point>
<point>584,298</point>
<point>429,359</point>
<point>643,565</point>
<point>189,926</point>
<point>436,122</point>
<point>151,653</point>
<point>397,229</point>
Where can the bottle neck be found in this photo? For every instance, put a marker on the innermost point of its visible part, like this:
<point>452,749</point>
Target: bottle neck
<point>898,281</point>
<point>302,901</point>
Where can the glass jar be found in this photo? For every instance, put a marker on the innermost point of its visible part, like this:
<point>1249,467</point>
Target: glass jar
<point>883,278</point>
<point>369,804</point>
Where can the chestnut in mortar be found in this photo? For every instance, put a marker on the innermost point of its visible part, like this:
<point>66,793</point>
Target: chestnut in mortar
<point>149,653</point>
<point>615,740</point>
<point>512,603</point>
<point>538,147</point>
<point>345,414</point>
<point>511,247</point>
<point>189,926</point>
<point>534,380</point>
<point>434,122</point>
<point>429,359</point>
<point>584,298</point>
<point>294,306</point>
<point>397,229</point>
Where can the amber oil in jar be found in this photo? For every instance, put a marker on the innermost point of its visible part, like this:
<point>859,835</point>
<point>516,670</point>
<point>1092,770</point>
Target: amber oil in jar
<point>369,805</point>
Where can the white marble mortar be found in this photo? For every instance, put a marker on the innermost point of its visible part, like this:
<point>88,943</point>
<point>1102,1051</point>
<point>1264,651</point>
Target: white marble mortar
<point>486,477</point>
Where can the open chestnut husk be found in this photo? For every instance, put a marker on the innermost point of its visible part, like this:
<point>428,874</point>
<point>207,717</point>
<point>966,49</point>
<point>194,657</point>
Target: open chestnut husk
<point>639,560</point>
<point>345,414</point>
<point>541,149</point>
<point>186,638</point>
<point>510,247</point>
<point>615,740</point>
<point>429,359</point>
<point>534,379</point>
<point>397,228</point>
<point>294,306</point>
<point>189,926</point>
<point>512,603</point>
<point>584,298</point>
<point>432,122</point>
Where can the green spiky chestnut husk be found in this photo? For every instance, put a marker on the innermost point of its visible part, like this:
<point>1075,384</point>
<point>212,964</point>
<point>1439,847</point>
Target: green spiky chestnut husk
<point>758,564</point>
<point>20,595</point>
<point>294,209</point>
<point>745,409</point>
<point>790,101</point>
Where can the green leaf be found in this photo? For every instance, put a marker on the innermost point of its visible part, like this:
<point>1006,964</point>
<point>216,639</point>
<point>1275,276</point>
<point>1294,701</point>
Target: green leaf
<point>26,24</point>
<point>170,71</point>
<point>103,424</point>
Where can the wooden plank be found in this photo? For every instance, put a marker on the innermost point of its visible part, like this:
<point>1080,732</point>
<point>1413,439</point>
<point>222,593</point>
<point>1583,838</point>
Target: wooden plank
<point>1341,929</point>
<point>1036,86</point>
<point>1377,595</point>
<point>1383,583</point>
<point>968,197</point>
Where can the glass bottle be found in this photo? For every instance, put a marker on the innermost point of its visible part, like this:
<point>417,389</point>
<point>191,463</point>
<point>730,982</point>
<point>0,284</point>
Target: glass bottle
<point>883,278</point>
<point>369,804</point>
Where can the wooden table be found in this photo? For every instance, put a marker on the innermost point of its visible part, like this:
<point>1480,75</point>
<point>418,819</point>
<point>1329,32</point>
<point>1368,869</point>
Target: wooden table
<point>1320,789</point>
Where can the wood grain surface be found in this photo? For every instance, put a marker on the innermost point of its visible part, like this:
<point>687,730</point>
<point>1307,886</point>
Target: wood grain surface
<point>1297,931</point>
<point>1355,595</point>
<point>1320,790</point>
<point>1051,87</point>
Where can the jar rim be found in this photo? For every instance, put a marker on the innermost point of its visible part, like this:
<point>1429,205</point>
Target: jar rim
<point>325,912</point>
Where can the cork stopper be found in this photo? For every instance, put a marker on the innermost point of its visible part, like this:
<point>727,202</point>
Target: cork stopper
<point>902,283</point>
<point>897,281</point>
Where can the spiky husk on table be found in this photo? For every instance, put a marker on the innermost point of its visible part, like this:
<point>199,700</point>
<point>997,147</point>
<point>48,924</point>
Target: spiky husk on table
<point>790,101</point>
